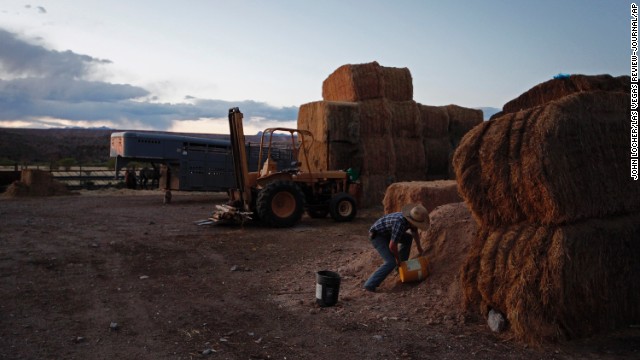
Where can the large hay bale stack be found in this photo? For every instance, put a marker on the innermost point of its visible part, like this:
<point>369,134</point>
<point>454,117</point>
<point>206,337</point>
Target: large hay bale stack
<point>558,163</point>
<point>557,88</point>
<point>358,82</point>
<point>430,194</point>
<point>368,121</point>
<point>560,228</point>
<point>558,282</point>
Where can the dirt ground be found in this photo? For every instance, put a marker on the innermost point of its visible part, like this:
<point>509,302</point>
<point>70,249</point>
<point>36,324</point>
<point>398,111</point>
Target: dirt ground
<point>115,274</point>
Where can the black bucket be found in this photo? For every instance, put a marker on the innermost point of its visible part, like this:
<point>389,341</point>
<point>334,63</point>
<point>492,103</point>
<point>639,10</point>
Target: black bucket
<point>327,287</point>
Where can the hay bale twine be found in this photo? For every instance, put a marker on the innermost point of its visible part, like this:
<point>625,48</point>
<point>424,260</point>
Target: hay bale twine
<point>557,282</point>
<point>430,194</point>
<point>435,121</point>
<point>555,89</point>
<point>558,163</point>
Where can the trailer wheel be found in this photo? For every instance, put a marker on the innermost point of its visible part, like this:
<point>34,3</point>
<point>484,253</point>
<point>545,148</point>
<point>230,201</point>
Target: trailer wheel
<point>343,207</point>
<point>280,204</point>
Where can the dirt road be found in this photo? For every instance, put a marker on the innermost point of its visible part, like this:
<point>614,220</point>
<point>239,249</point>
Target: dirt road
<point>118,275</point>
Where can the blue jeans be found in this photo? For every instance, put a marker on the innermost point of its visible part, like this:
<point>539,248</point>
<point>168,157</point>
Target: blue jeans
<point>381,243</point>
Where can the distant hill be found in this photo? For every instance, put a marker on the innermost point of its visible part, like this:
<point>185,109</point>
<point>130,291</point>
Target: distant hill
<point>86,146</point>
<point>489,111</point>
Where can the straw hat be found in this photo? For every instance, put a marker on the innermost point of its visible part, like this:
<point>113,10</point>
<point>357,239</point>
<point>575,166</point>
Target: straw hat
<point>417,215</point>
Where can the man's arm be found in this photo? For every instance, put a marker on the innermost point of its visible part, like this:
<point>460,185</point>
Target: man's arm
<point>393,247</point>
<point>416,239</point>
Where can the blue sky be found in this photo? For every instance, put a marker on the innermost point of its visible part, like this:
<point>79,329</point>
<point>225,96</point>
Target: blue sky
<point>178,66</point>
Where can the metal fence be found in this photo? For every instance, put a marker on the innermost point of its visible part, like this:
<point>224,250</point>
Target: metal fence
<point>74,177</point>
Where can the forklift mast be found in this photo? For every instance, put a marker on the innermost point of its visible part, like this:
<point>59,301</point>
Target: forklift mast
<point>239,154</point>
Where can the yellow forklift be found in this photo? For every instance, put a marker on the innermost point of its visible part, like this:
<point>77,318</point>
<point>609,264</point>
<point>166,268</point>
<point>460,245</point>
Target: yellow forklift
<point>279,197</point>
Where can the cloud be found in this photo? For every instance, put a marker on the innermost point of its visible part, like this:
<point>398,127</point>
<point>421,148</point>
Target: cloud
<point>37,83</point>
<point>40,9</point>
<point>18,58</point>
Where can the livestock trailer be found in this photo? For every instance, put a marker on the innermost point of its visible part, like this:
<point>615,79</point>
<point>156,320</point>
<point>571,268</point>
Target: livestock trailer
<point>186,163</point>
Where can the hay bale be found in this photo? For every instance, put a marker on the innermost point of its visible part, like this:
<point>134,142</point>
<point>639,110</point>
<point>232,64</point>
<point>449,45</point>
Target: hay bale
<point>398,84</point>
<point>378,156</point>
<point>331,156</point>
<point>375,118</point>
<point>430,194</point>
<point>330,121</point>
<point>410,159</point>
<point>554,164</point>
<point>405,119</point>
<point>434,120</point>
<point>557,88</point>
<point>374,188</point>
<point>438,154</point>
<point>343,156</point>
<point>354,83</point>
<point>368,81</point>
<point>557,282</point>
<point>461,120</point>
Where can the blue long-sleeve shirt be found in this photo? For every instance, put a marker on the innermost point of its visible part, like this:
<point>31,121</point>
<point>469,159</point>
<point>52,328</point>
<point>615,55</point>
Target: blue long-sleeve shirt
<point>394,223</point>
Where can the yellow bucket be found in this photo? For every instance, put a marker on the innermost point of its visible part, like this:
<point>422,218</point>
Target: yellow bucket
<point>413,270</point>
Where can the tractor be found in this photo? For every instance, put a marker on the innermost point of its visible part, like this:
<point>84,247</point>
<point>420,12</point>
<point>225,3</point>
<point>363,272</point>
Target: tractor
<point>279,197</point>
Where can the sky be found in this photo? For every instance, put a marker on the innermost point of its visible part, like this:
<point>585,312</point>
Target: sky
<point>180,65</point>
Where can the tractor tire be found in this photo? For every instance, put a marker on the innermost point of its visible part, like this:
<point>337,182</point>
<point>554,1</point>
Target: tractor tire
<point>317,213</point>
<point>280,204</point>
<point>343,207</point>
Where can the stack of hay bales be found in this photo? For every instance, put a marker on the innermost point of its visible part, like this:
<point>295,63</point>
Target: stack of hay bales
<point>559,218</point>
<point>369,121</point>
